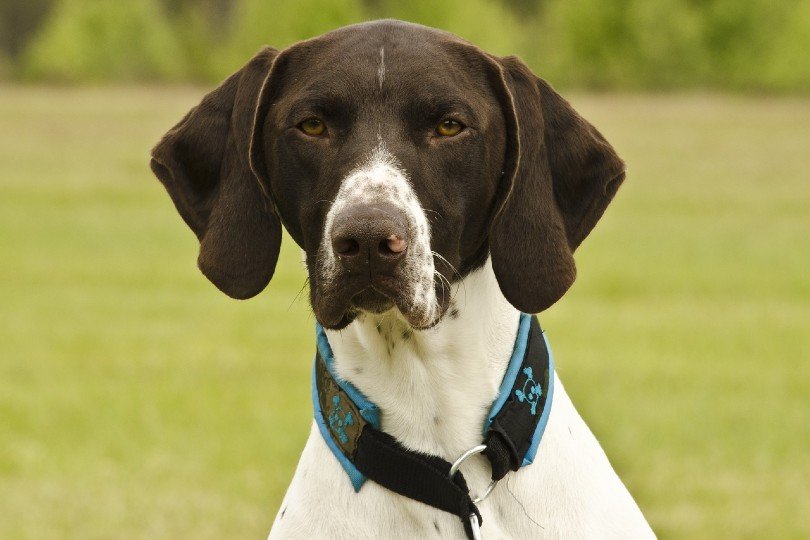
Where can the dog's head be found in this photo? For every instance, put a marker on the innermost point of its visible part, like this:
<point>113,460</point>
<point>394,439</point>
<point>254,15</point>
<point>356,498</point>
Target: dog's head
<point>399,158</point>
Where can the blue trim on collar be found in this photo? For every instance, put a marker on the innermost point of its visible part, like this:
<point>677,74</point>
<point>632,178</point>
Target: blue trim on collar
<point>371,413</point>
<point>368,410</point>
<point>356,477</point>
<point>512,370</point>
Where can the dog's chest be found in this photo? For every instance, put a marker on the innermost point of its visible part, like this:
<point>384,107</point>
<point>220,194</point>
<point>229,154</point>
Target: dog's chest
<point>433,387</point>
<point>569,491</point>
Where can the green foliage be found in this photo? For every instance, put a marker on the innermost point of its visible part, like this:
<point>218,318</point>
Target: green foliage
<point>488,24</point>
<point>786,64</point>
<point>199,37</point>
<point>18,20</point>
<point>754,45</point>
<point>255,23</point>
<point>628,43</point>
<point>751,44</point>
<point>99,40</point>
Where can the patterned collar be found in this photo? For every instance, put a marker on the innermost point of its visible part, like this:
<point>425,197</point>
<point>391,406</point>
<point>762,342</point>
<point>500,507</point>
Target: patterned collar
<point>514,425</point>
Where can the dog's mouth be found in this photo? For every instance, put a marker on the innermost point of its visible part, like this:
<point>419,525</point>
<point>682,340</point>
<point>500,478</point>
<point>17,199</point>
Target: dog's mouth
<point>372,300</point>
<point>337,304</point>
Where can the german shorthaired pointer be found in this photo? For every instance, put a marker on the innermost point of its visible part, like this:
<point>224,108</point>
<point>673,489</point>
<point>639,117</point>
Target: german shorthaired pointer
<point>437,191</point>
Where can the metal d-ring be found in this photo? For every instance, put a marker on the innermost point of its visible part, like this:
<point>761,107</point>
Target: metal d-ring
<point>475,527</point>
<point>454,469</point>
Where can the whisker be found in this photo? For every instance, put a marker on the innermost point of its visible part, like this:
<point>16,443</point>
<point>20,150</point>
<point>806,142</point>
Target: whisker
<point>433,219</point>
<point>327,201</point>
<point>442,281</point>
<point>442,278</point>
<point>455,272</point>
<point>304,286</point>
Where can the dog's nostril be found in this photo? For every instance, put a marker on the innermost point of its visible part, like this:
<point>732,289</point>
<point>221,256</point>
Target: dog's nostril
<point>346,246</point>
<point>393,245</point>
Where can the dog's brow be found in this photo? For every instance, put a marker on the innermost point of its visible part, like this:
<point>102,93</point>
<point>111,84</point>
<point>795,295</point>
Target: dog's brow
<point>433,108</point>
<point>318,103</point>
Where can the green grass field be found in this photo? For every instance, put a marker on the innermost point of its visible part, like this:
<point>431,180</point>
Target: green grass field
<point>136,401</point>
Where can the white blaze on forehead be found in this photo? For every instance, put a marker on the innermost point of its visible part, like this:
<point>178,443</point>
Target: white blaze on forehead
<point>381,68</point>
<point>382,180</point>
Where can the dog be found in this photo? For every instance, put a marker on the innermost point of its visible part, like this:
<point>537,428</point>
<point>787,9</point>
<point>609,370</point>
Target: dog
<point>437,193</point>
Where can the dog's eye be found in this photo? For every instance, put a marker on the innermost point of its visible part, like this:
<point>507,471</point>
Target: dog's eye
<point>449,128</point>
<point>313,127</point>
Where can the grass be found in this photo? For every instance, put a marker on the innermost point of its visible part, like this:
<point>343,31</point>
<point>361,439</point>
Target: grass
<point>138,402</point>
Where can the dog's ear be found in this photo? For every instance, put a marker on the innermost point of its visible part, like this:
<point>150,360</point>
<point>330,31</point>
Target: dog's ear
<point>559,176</point>
<point>203,162</point>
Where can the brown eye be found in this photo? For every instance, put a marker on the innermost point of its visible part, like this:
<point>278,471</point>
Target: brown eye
<point>449,128</point>
<point>313,127</point>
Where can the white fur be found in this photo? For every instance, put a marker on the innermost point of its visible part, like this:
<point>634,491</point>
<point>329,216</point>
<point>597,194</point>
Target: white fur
<point>434,390</point>
<point>381,68</point>
<point>381,179</point>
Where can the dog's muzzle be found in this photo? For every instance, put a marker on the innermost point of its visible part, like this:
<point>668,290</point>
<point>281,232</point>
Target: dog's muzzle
<point>375,251</point>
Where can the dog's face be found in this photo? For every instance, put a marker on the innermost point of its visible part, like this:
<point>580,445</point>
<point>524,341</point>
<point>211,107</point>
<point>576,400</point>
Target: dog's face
<point>384,167</point>
<point>398,157</point>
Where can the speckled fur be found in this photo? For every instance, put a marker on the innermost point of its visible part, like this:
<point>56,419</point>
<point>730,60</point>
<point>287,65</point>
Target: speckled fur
<point>381,179</point>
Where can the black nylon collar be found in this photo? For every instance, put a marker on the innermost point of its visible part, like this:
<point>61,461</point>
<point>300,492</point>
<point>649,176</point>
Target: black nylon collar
<point>350,425</point>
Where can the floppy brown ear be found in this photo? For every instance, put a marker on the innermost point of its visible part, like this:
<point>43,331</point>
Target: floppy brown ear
<point>560,175</point>
<point>203,163</point>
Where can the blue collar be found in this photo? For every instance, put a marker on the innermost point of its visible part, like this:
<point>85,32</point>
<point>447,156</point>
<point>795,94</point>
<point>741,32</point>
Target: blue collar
<point>518,415</point>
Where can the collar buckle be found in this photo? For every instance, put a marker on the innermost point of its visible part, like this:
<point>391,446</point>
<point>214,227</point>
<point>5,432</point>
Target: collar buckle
<point>454,469</point>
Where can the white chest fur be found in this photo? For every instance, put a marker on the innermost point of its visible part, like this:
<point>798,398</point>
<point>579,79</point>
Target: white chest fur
<point>434,388</point>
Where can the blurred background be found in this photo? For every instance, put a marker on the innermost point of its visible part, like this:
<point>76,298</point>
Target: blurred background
<point>750,45</point>
<point>136,401</point>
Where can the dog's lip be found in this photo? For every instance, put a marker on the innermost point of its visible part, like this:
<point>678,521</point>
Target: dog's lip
<point>337,306</point>
<point>386,285</point>
<point>372,299</point>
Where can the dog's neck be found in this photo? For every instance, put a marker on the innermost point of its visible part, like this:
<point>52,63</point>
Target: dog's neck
<point>434,387</point>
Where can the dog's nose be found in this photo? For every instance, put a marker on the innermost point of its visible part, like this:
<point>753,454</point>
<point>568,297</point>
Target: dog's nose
<point>370,238</point>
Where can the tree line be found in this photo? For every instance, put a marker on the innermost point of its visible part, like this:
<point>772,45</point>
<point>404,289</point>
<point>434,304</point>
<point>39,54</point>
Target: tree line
<point>742,45</point>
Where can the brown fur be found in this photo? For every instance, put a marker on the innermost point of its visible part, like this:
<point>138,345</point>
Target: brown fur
<point>526,183</point>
